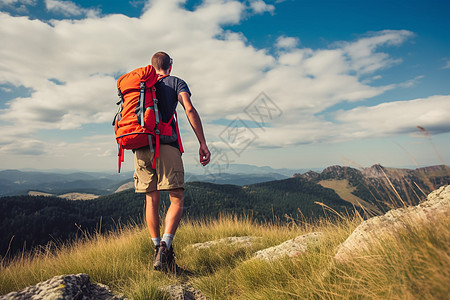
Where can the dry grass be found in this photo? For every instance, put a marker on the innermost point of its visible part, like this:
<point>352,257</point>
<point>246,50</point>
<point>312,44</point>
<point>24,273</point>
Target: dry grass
<point>416,265</point>
<point>344,190</point>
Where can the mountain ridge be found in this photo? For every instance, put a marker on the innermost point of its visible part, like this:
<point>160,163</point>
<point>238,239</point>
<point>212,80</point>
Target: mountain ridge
<point>384,187</point>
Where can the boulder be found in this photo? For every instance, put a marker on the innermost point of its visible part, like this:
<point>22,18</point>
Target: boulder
<point>290,248</point>
<point>437,206</point>
<point>64,287</point>
<point>183,292</point>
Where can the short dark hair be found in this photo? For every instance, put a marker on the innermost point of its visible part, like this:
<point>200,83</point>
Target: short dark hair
<point>161,61</point>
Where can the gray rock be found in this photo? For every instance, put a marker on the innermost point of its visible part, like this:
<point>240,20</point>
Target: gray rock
<point>183,292</point>
<point>437,206</point>
<point>242,241</point>
<point>290,248</point>
<point>64,287</point>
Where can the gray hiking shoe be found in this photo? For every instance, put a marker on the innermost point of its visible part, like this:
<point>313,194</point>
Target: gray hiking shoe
<point>164,260</point>
<point>161,257</point>
<point>155,255</point>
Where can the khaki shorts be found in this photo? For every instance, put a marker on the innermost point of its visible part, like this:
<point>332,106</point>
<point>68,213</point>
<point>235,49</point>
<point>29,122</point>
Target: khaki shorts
<point>169,173</point>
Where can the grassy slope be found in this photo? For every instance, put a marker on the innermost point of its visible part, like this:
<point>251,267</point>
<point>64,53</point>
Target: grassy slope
<point>344,190</point>
<point>414,266</point>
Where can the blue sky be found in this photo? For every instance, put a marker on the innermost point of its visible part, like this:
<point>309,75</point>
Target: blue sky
<point>288,84</point>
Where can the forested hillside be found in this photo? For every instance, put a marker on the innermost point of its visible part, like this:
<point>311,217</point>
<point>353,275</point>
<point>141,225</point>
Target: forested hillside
<point>385,188</point>
<point>27,221</point>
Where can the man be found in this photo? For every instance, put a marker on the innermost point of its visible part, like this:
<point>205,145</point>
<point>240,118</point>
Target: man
<point>169,172</point>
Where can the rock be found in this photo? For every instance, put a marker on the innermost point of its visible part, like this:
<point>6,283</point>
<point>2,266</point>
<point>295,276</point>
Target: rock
<point>437,206</point>
<point>243,241</point>
<point>65,287</point>
<point>183,292</point>
<point>289,248</point>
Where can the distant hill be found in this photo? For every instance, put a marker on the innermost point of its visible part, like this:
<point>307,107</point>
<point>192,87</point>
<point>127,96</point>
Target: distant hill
<point>236,179</point>
<point>380,188</point>
<point>197,169</point>
<point>15,182</point>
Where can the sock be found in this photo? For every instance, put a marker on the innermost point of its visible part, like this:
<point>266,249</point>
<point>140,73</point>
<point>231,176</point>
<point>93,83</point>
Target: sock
<point>168,238</point>
<point>156,241</point>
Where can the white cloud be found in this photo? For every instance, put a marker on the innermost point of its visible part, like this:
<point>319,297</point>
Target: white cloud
<point>362,56</point>
<point>284,42</point>
<point>222,70</point>
<point>65,106</point>
<point>397,117</point>
<point>18,6</point>
<point>260,7</point>
<point>12,2</point>
<point>68,8</point>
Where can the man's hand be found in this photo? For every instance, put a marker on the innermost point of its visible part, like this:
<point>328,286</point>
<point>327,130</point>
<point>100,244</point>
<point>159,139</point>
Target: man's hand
<point>205,155</point>
<point>194,119</point>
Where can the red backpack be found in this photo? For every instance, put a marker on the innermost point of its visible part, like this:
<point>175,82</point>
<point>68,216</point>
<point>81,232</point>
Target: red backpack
<point>138,122</point>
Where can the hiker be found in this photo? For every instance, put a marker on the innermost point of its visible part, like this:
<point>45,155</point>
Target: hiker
<point>168,173</point>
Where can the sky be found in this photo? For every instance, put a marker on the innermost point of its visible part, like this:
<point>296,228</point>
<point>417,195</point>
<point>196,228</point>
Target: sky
<point>288,84</point>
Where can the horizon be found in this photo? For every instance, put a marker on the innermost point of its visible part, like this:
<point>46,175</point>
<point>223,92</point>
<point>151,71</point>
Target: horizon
<point>365,86</point>
<point>303,170</point>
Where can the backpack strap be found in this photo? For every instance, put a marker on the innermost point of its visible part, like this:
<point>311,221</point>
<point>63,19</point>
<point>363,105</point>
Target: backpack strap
<point>157,132</point>
<point>156,155</point>
<point>121,154</point>
<point>178,133</point>
<point>142,102</point>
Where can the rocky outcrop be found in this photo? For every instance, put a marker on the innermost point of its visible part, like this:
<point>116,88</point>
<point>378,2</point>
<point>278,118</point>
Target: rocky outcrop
<point>310,175</point>
<point>437,206</point>
<point>337,172</point>
<point>375,171</point>
<point>65,287</point>
<point>290,248</point>
<point>242,241</point>
<point>183,292</point>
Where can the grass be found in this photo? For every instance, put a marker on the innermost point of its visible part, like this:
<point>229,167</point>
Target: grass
<point>414,265</point>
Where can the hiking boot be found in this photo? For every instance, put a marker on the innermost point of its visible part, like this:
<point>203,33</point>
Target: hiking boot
<point>164,260</point>
<point>161,257</point>
<point>155,255</point>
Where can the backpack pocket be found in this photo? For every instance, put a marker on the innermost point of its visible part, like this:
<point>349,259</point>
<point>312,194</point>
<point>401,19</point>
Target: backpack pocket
<point>149,119</point>
<point>167,134</point>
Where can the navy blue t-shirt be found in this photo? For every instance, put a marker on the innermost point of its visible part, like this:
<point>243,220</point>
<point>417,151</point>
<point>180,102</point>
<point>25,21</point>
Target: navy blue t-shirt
<point>167,90</point>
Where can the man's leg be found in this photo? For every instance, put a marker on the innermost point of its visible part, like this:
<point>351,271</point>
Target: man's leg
<point>174,212</point>
<point>173,215</point>
<point>164,258</point>
<point>152,213</point>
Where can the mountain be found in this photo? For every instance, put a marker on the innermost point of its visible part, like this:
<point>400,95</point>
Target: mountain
<point>236,179</point>
<point>197,169</point>
<point>379,188</point>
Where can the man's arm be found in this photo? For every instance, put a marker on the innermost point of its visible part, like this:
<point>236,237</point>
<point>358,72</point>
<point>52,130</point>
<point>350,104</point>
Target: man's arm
<point>196,123</point>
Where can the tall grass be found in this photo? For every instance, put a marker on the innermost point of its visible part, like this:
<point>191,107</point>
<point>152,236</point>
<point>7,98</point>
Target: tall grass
<point>415,265</point>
